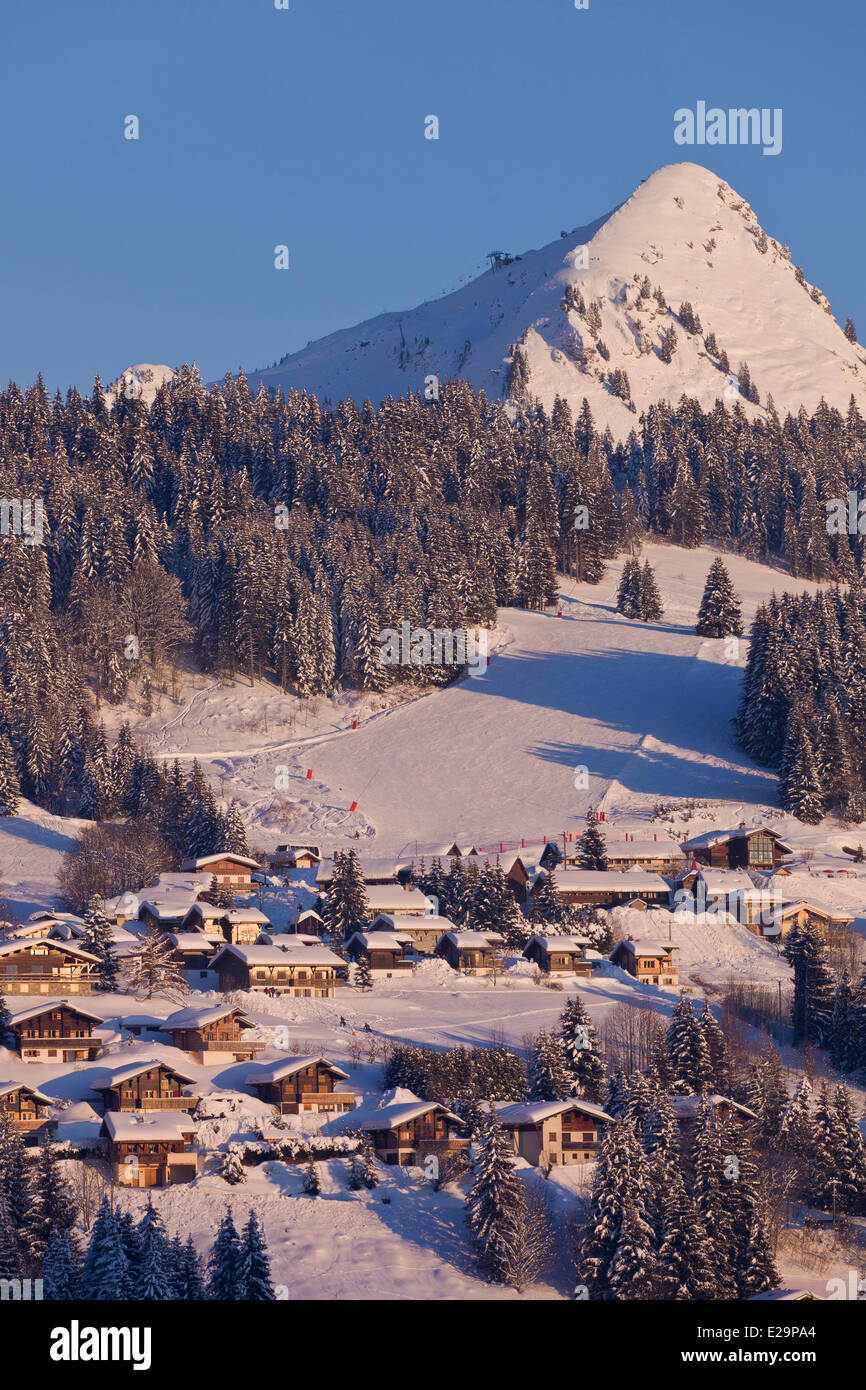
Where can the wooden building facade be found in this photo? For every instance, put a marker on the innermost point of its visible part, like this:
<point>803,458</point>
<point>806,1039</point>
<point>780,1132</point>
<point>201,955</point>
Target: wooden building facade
<point>302,1084</point>
<point>59,1032</point>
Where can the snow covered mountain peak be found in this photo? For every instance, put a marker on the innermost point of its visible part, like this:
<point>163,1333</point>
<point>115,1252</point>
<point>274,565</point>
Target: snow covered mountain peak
<point>591,313</point>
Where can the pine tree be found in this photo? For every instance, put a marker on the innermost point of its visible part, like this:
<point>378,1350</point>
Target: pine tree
<point>99,941</point>
<point>850,330</point>
<point>58,1268</point>
<point>52,1206</point>
<point>192,1284</point>
<point>633,1268</point>
<point>713,1173</point>
<point>363,976</point>
<point>628,593</point>
<point>232,1169</point>
<point>719,614</point>
<point>583,1053</point>
<point>10,790</point>
<point>768,1095</point>
<point>800,790</point>
<point>312,1186</point>
<point>688,1049</point>
<point>105,1264</point>
<point>154,1273</point>
<point>496,1204</point>
<point>650,608</point>
<point>235,838</point>
<point>225,1265</point>
<point>668,344</point>
<point>620,1185</point>
<point>255,1266</point>
<point>368,1163</point>
<point>14,1181</point>
<point>549,1073</point>
<point>812,1008</point>
<point>717,1046</point>
<point>591,847</point>
<point>154,968</point>
<point>797,1131</point>
<point>11,1259</point>
<point>347,909</point>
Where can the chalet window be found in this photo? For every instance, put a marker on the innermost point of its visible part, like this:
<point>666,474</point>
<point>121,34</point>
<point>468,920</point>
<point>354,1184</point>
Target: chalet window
<point>761,850</point>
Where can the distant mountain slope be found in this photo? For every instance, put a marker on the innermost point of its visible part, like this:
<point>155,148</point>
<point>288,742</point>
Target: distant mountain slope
<point>693,237</point>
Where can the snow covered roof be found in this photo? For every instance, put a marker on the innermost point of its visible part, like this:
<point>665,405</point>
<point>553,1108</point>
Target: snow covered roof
<point>36,1009</point>
<point>208,912</point>
<point>7,1087</point>
<point>687,1107</point>
<point>625,880</point>
<point>534,1111</point>
<point>125,1128</point>
<point>309,912</point>
<point>8,948</point>
<point>247,914</point>
<point>191,940</point>
<point>170,906</point>
<point>571,945</point>
<point>276,1070</point>
<point>205,859</point>
<point>647,948</point>
<point>372,867</point>
<point>277,955</point>
<point>381,940</point>
<point>393,1116</point>
<point>136,1068</point>
<point>467,939</point>
<point>383,898</point>
<point>431,922</point>
<point>717,837</point>
<point>199,1018</point>
<point>642,849</point>
<point>726,880</point>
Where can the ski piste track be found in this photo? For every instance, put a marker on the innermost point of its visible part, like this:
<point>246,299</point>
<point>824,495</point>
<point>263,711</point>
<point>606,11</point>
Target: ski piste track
<point>643,709</point>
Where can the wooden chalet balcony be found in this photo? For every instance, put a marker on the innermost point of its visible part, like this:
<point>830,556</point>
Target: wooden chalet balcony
<point>227,1045</point>
<point>40,1040</point>
<point>160,1103</point>
<point>420,1142</point>
<point>320,1098</point>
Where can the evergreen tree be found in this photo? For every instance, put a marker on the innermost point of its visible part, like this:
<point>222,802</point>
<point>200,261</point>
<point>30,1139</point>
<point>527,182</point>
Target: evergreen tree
<point>235,837</point>
<point>192,1284</point>
<point>99,941</point>
<point>347,909</point>
<point>232,1169</point>
<point>363,976</point>
<point>105,1264</point>
<point>688,1049</point>
<point>225,1265</point>
<point>628,593</point>
<point>255,1266</point>
<point>10,790</point>
<point>649,599</point>
<point>58,1267</point>
<point>620,1187</point>
<point>549,1073</point>
<point>591,848</point>
<point>154,969</point>
<point>717,1046</point>
<point>154,1273</point>
<point>312,1186</point>
<point>812,1008</point>
<point>495,1205</point>
<point>52,1206</point>
<point>583,1053</point>
<point>768,1095</point>
<point>719,614</point>
<point>368,1163</point>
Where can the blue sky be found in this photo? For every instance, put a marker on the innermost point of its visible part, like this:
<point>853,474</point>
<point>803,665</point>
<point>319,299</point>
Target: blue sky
<point>305,127</point>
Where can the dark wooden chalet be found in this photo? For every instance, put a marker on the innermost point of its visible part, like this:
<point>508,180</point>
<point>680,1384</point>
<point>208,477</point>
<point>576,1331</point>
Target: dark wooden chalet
<point>298,969</point>
<point>60,1032</point>
<point>385,950</point>
<point>149,1085</point>
<point>406,1132</point>
<point>234,870</point>
<point>604,888</point>
<point>755,847</point>
<point>46,967</point>
<point>559,955</point>
<point>212,1034</point>
<point>651,962</point>
<point>471,952</point>
<point>26,1108</point>
<point>302,1083</point>
<point>151,1152</point>
<point>193,950</point>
